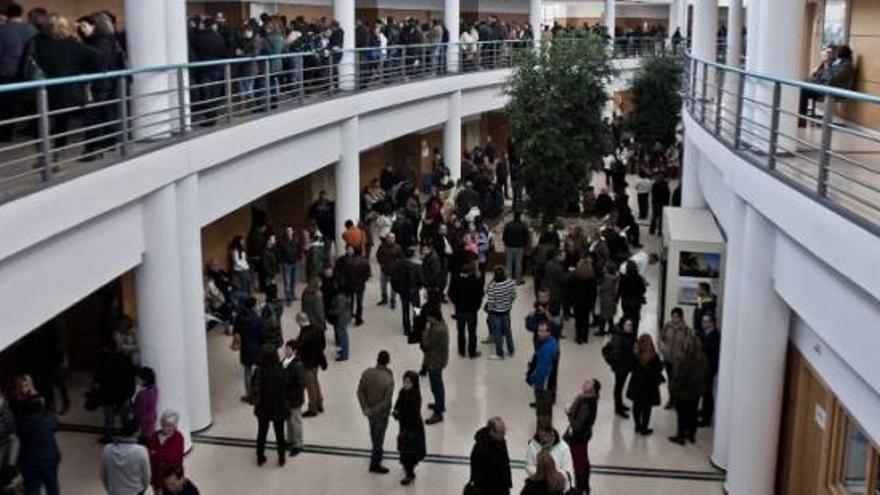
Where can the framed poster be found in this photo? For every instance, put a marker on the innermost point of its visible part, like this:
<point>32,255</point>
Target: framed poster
<point>835,27</point>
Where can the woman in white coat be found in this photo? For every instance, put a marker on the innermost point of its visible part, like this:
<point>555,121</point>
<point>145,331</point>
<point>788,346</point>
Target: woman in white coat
<point>548,439</point>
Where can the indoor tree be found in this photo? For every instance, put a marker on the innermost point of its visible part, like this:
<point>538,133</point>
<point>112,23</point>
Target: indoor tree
<point>557,94</point>
<point>656,91</point>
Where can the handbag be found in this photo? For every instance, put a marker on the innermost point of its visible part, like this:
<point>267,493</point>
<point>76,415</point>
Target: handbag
<point>235,345</point>
<point>471,489</point>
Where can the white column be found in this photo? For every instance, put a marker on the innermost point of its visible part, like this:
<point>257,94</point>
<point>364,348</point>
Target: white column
<point>451,19</point>
<point>347,180</point>
<point>761,341</point>
<point>144,33</point>
<point>705,41</point>
<point>674,5</point>
<point>343,12</point>
<point>734,32</point>
<point>753,35</point>
<point>177,52</point>
<point>734,255</point>
<point>611,17</point>
<point>536,19</point>
<point>691,191</point>
<point>192,302</point>
<point>159,303</point>
<point>780,54</point>
<point>452,136</point>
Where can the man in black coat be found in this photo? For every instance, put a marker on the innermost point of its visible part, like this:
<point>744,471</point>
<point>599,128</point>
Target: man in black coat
<point>659,198</point>
<point>311,351</point>
<point>295,377</point>
<point>407,281</point>
<point>466,293</point>
<point>490,463</point>
<point>711,339</point>
<point>248,333</point>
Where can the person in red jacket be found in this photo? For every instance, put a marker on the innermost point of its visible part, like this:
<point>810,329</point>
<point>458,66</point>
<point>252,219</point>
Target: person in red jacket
<point>165,447</point>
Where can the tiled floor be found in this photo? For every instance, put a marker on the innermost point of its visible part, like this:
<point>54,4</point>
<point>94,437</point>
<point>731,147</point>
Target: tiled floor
<point>476,390</point>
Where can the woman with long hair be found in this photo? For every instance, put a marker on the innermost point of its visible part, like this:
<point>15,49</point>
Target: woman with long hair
<point>546,480</point>
<point>644,384</point>
<point>581,417</point>
<point>411,438</point>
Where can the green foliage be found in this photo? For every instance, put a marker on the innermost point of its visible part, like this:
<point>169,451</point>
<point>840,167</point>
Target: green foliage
<point>657,103</point>
<point>557,95</point>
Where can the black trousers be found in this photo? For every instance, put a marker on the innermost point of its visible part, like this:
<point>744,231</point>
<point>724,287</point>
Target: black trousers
<point>357,304</point>
<point>643,205</point>
<point>656,221</point>
<point>466,323</point>
<point>641,415</point>
<point>707,408</point>
<point>263,431</point>
<point>582,323</point>
<point>620,377</point>
<point>687,417</point>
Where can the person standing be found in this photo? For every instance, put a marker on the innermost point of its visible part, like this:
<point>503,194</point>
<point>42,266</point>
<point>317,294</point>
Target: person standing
<point>271,313</point>
<point>407,282</point>
<point>490,462</point>
<point>516,238</point>
<point>643,194</point>
<point>541,367</point>
<point>312,344</point>
<point>585,291</point>
<point>607,300</point>
<point>375,392</point>
<point>581,418</point>
<point>114,382</point>
<point>165,447</point>
<point>388,254</point>
<point>499,301</point>
<point>175,483</point>
<point>339,315</point>
<point>706,303</point>
<point>623,341</point>
<point>672,338</point>
<point>247,338</point>
<point>354,237</point>
<point>356,271</point>
<point>295,380</point>
<point>659,198</point>
<point>435,346</point>
<point>290,251</point>
<point>7,432</point>
<point>270,403</point>
<point>125,464</point>
<point>411,436</point>
<point>688,384</point>
<point>711,340</point>
<point>38,454</point>
<point>15,35</point>
<point>313,304</point>
<point>143,408</point>
<point>546,480</point>
<point>632,290</point>
<point>644,384</point>
<point>548,441</point>
<point>466,294</point>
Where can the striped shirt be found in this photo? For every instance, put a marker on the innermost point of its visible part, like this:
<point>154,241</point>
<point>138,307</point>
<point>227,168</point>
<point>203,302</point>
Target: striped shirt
<point>500,296</point>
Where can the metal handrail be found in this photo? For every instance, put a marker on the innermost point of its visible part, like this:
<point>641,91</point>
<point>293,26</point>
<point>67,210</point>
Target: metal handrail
<point>764,113</point>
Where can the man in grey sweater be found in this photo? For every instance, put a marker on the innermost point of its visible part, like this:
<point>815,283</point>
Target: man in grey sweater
<point>125,465</point>
<point>374,393</point>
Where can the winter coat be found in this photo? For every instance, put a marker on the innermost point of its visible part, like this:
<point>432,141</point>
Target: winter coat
<point>558,450</point>
<point>387,256</point>
<point>270,389</point>
<point>632,293</point>
<point>608,296</point>
<point>533,487</point>
<point>466,293</point>
<point>169,453</point>
<point>432,270</point>
<point>37,449</point>
<point>271,316</point>
<point>375,392</point>
<point>312,344</point>
<point>115,378</point>
<point>295,379</point>
<point>584,290</point>
<point>340,311</point>
<point>490,464</point>
<point>689,378</point>
<point>249,329</point>
<point>581,418</point>
<point>407,278</point>
<point>544,359</point>
<point>672,339</point>
<point>411,437</point>
<point>435,344</point>
<point>313,307</point>
<point>644,383</point>
<point>554,278</point>
<point>125,468</point>
<point>516,234</point>
<point>62,58</point>
<point>624,355</point>
<point>144,409</point>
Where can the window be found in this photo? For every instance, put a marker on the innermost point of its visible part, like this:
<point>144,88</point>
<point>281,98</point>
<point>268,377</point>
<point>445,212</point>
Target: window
<point>855,468</point>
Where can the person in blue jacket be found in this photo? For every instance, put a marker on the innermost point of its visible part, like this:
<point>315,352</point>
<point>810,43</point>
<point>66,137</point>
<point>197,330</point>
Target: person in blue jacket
<point>542,365</point>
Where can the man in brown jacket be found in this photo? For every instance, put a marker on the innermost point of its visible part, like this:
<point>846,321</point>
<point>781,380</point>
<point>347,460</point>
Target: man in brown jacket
<point>435,346</point>
<point>374,393</point>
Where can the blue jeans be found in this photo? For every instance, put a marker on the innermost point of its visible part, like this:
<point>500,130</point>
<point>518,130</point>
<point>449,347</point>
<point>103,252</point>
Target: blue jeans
<point>386,290</point>
<point>377,439</point>
<point>288,275</point>
<point>438,390</point>
<point>340,330</point>
<point>246,87</point>
<point>499,327</point>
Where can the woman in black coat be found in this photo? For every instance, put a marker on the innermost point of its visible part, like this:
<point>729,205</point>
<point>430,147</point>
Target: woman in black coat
<point>408,413</point>
<point>99,34</point>
<point>632,293</point>
<point>623,340</point>
<point>585,290</point>
<point>644,384</point>
<point>270,402</point>
<point>58,54</point>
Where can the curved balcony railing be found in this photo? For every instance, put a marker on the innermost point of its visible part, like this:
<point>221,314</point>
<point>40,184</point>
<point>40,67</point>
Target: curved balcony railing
<point>795,131</point>
<point>133,111</point>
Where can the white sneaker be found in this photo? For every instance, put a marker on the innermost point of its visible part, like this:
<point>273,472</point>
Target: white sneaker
<point>496,357</point>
